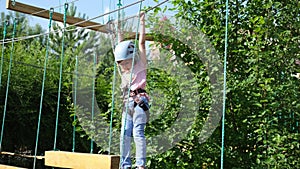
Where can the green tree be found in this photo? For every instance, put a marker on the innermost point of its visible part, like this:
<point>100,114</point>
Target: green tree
<point>261,115</point>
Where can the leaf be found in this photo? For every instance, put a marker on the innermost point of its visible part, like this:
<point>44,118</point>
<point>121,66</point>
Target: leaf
<point>257,104</point>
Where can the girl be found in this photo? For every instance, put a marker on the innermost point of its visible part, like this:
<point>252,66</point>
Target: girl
<point>135,118</point>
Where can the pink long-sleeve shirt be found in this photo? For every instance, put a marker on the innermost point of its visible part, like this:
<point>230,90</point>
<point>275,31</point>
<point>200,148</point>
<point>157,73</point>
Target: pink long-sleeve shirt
<point>139,74</point>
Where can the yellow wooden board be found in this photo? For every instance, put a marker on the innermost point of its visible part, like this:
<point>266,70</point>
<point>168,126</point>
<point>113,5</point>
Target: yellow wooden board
<point>73,160</point>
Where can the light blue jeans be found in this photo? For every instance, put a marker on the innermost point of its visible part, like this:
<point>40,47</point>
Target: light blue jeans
<point>134,124</point>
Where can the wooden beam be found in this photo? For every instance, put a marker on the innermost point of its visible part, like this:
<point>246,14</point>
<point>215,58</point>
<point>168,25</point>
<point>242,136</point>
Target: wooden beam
<point>43,13</point>
<point>73,160</point>
<point>9,167</point>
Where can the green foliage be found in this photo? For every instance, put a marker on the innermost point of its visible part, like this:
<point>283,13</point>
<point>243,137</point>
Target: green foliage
<point>261,114</point>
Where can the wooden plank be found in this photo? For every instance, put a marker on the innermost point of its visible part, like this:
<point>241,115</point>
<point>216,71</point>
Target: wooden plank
<point>43,13</point>
<point>73,160</point>
<point>9,167</point>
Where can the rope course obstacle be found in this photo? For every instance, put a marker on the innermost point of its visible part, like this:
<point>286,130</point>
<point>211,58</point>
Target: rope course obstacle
<point>56,158</point>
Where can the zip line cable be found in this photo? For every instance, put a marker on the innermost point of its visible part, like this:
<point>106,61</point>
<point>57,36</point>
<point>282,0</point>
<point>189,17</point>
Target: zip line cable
<point>8,81</point>
<point>43,86</point>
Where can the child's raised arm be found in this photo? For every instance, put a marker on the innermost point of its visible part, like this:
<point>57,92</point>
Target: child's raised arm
<point>120,32</point>
<point>142,43</point>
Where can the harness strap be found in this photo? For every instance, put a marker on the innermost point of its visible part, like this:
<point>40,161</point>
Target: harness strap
<point>137,91</point>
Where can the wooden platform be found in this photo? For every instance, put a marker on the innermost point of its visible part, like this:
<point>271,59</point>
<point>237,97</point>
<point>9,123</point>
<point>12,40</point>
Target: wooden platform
<point>73,160</point>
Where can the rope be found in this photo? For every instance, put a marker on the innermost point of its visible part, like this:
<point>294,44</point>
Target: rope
<point>112,107</point>
<point>43,86</point>
<point>59,5</point>
<point>131,72</point>
<point>149,9</point>
<point>117,10</point>
<point>109,9</point>
<point>224,87</point>
<point>103,12</point>
<point>75,101</point>
<point>113,94</point>
<point>60,74</point>
<point>8,81</point>
<point>93,99</point>
<point>41,67</point>
<point>2,54</point>
<point>113,87</point>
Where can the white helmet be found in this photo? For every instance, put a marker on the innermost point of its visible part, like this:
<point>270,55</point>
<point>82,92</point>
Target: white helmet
<point>124,50</point>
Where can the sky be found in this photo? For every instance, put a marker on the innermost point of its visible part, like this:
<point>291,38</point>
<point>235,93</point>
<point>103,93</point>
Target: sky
<point>91,8</point>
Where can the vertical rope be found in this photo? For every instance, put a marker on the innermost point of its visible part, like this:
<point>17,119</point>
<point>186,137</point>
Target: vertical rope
<point>2,54</point>
<point>43,86</point>
<point>2,57</point>
<point>113,88</point>
<point>224,87</point>
<point>103,11</point>
<point>112,107</point>
<point>122,134</point>
<point>8,80</point>
<point>131,72</point>
<point>113,91</point>
<point>110,9</point>
<point>93,101</point>
<point>75,102</point>
<point>60,72</point>
<point>59,6</point>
